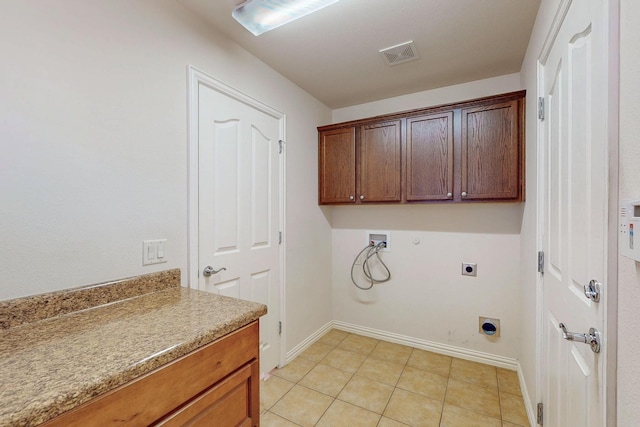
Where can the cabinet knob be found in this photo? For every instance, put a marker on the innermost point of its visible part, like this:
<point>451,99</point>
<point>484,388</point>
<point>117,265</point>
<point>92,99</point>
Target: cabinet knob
<point>351,197</point>
<point>361,197</point>
<point>449,195</point>
<point>464,194</point>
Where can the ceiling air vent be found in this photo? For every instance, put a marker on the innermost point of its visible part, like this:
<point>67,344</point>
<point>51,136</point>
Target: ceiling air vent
<point>403,52</point>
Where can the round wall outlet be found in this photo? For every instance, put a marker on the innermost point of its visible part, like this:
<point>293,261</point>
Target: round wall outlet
<point>489,327</point>
<point>469,269</point>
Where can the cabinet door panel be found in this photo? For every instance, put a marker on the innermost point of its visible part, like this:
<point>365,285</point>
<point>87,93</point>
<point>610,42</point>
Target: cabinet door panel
<point>229,403</point>
<point>381,162</point>
<point>337,160</point>
<point>430,157</point>
<point>491,152</point>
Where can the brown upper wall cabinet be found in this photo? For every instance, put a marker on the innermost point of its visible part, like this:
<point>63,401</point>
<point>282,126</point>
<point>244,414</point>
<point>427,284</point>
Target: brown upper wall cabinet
<point>361,164</point>
<point>429,171</point>
<point>337,154</point>
<point>491,152</point>
<point>470,151</point>
<point>380,165</point>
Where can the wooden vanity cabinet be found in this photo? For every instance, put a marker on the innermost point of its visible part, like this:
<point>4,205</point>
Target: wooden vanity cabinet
<point>215,385</point>
<point>470,151</point>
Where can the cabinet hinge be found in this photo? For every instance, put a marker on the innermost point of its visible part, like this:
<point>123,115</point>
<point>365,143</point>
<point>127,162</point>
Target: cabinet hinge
<point>281,146</point>
<point>279,328</point>
<point>541,262</point>
<point>541,108</point>
<point>540,414</point>
<point>280,237</point>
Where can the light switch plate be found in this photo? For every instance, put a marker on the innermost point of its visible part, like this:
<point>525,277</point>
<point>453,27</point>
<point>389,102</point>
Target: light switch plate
<point>154,251</point>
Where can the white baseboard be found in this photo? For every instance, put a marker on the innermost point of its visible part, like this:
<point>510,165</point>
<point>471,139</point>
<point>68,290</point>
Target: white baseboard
<point>295,351</point>
<point>449,350</point>
<point>531,411</point>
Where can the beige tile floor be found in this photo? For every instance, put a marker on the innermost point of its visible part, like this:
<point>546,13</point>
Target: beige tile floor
<point>350,380</point>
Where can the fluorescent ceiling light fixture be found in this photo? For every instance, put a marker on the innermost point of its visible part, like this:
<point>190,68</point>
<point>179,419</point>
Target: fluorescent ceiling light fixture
<point>259,16</point>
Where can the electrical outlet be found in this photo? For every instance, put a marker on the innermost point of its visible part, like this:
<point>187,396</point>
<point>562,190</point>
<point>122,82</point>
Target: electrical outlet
<point>469,269</point>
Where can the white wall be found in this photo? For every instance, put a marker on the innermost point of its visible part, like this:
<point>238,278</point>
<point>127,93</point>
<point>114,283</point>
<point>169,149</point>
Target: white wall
<point>94,156</point>
<point>430,98</point>
<point>428,298</point>
<point>629,271</point>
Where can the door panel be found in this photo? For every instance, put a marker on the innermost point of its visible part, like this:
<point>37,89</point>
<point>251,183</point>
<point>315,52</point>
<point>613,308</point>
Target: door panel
<point>554,192</point>
<point>239,208</point>
<point>337,160</point>
<point>578,394</point>
<point>228,288</point>
<point>430,157</point>
<point>573,77</point>
<point>381,162</point>
<point>223,175</point>
<point>261,185</point>
<point>490,152</point>
<point>553,388</point>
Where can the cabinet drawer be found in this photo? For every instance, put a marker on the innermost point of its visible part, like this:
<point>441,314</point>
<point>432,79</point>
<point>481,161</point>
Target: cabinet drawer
<point>150,397</point>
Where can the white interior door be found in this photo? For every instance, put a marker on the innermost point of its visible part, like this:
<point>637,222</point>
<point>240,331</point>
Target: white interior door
<point>239,207</point>
<point>573,78</point>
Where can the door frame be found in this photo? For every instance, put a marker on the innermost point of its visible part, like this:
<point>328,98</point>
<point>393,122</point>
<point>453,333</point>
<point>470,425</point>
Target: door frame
<point>195,77</point>
<point>611,317</point>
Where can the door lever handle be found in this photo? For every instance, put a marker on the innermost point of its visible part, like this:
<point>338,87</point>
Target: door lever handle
<point>209,271</point>
<point>592,338</point>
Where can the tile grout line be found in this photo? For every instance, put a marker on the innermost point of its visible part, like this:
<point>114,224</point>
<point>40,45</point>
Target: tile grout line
<point>369,356</point>
<point>499,398</point>
<point>395,387</point>
<point>345,384</point>
<point>353,374</point>
<point>446,390</point>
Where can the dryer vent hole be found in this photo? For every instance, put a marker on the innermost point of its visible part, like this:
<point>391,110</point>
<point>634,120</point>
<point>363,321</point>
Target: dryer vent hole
<point>489,327</point>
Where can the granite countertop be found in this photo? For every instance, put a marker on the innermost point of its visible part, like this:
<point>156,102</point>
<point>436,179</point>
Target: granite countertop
<point>51,365</point>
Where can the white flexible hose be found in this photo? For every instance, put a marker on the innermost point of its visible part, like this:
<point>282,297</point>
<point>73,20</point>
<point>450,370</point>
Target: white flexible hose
<point>371,251</point>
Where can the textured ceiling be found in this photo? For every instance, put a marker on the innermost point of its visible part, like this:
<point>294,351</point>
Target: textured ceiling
<point>333,54</point>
